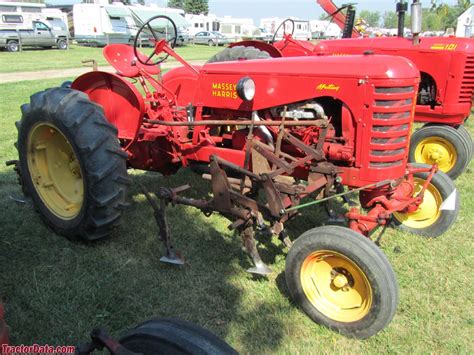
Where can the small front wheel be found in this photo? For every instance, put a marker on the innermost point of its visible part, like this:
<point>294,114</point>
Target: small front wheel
<point>439,209</point>
<point>342,280</point>
<point>441,145</point>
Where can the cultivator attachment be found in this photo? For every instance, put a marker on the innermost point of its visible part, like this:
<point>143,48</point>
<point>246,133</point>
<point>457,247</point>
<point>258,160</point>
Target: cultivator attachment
<point>257,198</point>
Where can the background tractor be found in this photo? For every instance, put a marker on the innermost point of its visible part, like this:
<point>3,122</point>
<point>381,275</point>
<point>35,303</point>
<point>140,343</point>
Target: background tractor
<point>444,98</point>
<point>272,136</point>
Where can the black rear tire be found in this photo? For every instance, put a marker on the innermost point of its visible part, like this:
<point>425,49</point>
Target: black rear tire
<point>173,336</point>
<point>238,52</point>
<point>94,148</point>
<point>432,143</point>
<point>366,271</point>
<point>444,195</point>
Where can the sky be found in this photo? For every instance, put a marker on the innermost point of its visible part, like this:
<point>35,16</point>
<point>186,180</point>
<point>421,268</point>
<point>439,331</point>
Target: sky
<point>303,9</point>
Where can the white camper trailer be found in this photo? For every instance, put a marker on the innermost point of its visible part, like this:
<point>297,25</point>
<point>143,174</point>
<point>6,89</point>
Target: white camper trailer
<point>100,23</point>
<point>199,23</point>
<point>21,15</point>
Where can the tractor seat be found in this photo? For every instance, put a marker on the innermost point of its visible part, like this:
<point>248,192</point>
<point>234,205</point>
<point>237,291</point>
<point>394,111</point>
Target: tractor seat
<point>123,59</point>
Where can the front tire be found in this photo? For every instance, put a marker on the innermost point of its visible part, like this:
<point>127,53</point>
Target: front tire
<point>439,209</point>
<point>467,138</point>
<point>71,163</point>
<point>441,145</point>
<point>342,280</point>
<point>173,336</point>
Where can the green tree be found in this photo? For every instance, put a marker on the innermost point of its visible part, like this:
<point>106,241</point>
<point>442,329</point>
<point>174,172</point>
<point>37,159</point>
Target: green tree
<point>390,19</point>
<point>372,18</point>
<point>196,6</point>
<point>176,4</point>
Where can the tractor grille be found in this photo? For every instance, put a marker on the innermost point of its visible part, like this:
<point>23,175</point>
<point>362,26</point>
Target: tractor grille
<point>467,85</point>
<point>391,123</point>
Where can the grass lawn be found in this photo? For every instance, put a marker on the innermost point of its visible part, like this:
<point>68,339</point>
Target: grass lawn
<point>56,291</point>
<point>42,59</point>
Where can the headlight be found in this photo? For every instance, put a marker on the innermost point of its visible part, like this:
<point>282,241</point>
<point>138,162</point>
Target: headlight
<point>246,88</point>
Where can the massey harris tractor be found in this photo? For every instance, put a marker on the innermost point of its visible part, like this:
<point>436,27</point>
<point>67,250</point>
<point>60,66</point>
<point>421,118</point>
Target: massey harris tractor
<point>446,66</point>
<point>273,136</point>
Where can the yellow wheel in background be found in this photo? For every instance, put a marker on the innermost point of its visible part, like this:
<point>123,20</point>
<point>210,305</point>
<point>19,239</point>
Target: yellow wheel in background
<point>55,170</point>
<point>428,212</point>
<point>438,210</point>
<point>342,280</point>
<point>336,286</point>
<point>445,146</point>
<point>436,150</point>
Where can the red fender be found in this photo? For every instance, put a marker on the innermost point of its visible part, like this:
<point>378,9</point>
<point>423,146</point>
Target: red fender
<point>123,105</point>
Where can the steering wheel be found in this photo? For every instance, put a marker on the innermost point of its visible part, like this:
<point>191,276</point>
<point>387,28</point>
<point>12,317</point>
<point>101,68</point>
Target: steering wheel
<point>283,24</point>
<point>156,29</point>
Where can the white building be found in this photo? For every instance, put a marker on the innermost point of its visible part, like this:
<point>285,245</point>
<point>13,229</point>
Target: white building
<point>464,27</point>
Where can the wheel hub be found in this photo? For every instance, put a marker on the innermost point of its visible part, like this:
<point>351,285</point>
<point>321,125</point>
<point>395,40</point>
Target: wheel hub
<point>340,281</point>
<point>336,286</point>
<point>436,150</point>
<point>55,171</point>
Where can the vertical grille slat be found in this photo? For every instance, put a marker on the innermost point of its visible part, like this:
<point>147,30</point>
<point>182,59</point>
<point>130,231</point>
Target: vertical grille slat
<point>391,123</point>
<point>467,84</point>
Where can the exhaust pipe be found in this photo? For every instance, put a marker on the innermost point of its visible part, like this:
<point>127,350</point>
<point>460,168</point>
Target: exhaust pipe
<point>402,7</point>
<point>416,21</point>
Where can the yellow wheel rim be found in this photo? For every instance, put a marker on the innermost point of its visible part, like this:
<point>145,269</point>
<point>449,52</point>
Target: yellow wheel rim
<point>436,150</point>
<point>55,171</point>
<point>336,286</point>
<point>429,210</point>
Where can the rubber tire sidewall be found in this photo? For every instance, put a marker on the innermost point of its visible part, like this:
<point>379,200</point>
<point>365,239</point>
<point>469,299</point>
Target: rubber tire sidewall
<point>445,185</point>
<point>369,258</point>
<point>467,138</point>
<point>451,135</point>
<point>28,121</point>
<point>173,336</point>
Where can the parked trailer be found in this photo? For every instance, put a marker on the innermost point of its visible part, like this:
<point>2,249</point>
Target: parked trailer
<point>98,24</point>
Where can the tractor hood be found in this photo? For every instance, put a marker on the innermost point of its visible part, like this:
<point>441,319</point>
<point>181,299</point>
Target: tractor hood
<point>280,81</point>
<point>354,67</point>
<point>393,44</point>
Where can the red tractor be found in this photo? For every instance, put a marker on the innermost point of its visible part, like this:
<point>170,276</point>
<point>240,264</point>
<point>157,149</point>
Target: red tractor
<point>271,135</point>
<point>446,66</point>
